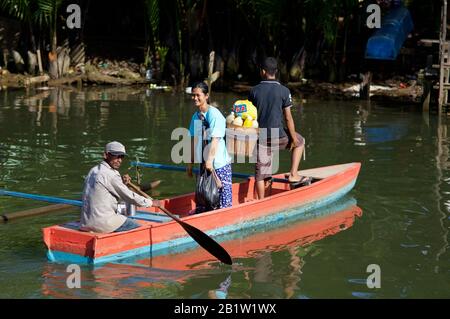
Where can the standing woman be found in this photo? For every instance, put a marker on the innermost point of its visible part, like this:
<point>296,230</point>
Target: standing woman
<point>217,157</point>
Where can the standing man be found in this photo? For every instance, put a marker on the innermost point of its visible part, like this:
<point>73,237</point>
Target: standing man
<point>274,103</point>
<point>103,190</point>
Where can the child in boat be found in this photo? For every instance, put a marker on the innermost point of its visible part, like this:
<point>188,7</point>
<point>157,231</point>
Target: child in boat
<point>273,102</point>
<point>217,158</point>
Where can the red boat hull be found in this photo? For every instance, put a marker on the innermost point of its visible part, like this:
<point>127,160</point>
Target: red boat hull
<point>332,182</point>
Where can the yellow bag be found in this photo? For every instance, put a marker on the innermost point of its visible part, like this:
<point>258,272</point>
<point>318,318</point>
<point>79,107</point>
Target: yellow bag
<point>243,108</point>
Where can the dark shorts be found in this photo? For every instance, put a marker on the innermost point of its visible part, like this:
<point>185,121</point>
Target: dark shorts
<point>263,167</point>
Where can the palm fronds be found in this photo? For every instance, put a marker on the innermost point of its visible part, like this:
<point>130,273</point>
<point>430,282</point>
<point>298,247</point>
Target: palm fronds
<point>153,13</point>
<point>46,13</point>
<point>19,9</point>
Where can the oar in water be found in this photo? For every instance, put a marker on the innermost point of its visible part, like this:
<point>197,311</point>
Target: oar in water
<point>200,237</point>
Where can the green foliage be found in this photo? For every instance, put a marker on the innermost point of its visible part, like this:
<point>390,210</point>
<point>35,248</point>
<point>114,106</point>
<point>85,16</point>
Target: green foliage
<point>19,9</point>
<point>317,31</point>
<point>43,12</point>
<point>268,12</point>
<point>153,13</point>
<point>268,16</point>
<point>323,15</point>
<point>46,13</point>
<point>162,51</point>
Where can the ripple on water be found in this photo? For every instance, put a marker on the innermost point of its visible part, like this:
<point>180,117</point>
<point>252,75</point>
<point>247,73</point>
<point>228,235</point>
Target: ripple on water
<point>364,295</point>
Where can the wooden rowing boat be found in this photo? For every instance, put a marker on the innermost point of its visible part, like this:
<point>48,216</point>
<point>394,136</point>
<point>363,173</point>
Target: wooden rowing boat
<point>159,235</point>
<point>145,272</point>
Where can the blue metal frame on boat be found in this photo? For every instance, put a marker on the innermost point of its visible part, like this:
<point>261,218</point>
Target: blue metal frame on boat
<point>58,200</point>
<point>179,168</point>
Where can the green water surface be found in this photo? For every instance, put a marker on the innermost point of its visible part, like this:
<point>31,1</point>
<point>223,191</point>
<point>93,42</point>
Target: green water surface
<point>49,139</point>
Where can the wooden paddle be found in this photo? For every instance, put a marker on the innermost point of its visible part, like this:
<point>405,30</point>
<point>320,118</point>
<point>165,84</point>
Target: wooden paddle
<point>200,237</point>
<point>150,186</point>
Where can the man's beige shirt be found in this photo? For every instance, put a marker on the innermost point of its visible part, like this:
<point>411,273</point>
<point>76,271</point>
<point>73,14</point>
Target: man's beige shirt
<point>103,190</point>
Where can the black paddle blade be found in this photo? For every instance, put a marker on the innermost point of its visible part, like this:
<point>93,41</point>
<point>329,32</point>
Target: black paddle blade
<point>207,243</point>
<point>200,237</point>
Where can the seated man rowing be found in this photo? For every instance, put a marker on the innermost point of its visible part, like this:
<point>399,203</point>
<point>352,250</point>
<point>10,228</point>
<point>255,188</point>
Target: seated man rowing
<point>104,189</point>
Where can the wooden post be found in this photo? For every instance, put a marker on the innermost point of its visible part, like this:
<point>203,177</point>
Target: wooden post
<point>427,86</point>
<point>5,58</point>
<point>212,77</point>
<point>364,92</point>
<point>443,50</point>
<point>39,58</point>
<point>426,96</point>
<point>210,70</point>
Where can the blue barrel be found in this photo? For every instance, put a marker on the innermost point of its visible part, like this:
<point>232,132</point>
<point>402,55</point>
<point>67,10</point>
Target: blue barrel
<point>386,42</point>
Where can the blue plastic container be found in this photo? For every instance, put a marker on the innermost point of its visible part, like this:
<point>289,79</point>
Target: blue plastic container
<point>386,42</point>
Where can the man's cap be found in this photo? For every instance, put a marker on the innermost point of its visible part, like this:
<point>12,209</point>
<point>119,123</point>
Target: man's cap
<point>115,148</point>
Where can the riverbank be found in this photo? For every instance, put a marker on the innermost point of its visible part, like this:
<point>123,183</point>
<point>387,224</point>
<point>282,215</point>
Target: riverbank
<point>120,73</point>
<point>94,71</point>
<point>398,89</point>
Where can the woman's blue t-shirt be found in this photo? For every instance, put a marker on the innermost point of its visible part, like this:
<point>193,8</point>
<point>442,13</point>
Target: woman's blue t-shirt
<point>217,128</point>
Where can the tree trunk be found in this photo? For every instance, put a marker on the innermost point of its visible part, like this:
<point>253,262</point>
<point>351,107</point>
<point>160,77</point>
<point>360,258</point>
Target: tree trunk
<point>32,63</point>
<point>53,65</point>
<point>343,64</point>
<point>18,60</point>
<point>39,60</point>
<point>53,56</point>
<point>32,39</point>
<point>364,93</point>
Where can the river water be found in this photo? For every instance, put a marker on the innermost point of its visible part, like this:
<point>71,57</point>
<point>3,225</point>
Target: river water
<point>396,219</point>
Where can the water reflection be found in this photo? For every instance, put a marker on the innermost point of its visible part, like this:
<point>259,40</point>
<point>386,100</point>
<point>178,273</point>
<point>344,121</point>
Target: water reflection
<point>370,130</point>
<point>403,187</point>
<point>112,281</point>
<point>256,264</point>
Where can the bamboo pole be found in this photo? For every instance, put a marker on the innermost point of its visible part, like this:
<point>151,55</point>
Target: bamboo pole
<point>36,211</point>
<point>442,58</point>
<point>212,76</point>
<point>442,156</point>
<point>210,70</point>
<point>39,58</point>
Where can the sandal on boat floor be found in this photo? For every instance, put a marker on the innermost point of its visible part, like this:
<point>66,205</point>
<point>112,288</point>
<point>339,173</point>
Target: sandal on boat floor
<point>304,180</point>
<point>286,176</point>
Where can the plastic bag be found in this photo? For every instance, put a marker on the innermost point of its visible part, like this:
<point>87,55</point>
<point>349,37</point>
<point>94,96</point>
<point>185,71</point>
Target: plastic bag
<point>207,194</point>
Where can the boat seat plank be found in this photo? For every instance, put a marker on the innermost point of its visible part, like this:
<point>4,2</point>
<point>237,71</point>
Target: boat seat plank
<point>71,225</point>
<point>158,218</point>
